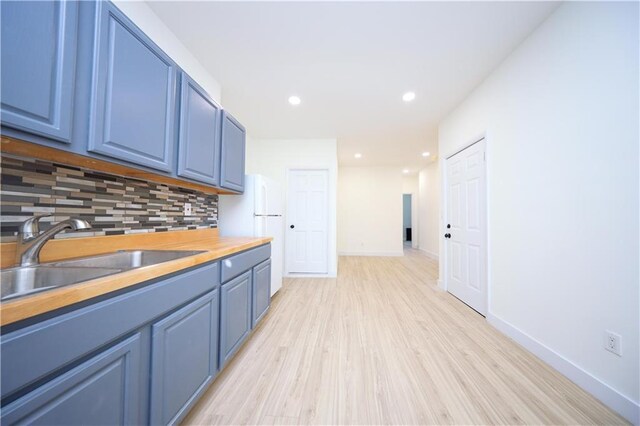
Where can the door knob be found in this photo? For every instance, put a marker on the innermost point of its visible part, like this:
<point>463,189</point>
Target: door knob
<point>292,226</point>
<point>447,235</point>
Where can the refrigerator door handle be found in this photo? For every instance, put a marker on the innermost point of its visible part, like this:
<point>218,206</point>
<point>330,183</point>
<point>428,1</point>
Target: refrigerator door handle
<point>267,215</point>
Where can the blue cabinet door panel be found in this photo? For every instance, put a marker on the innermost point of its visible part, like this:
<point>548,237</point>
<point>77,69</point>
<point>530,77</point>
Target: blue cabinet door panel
<point>261,291</point>
<point>134,92</point>
<point>233,141</point>
<point>235,315</point>
<point>184,358</point>
<point>103,390</point>
<point>38,57</point>
<point>199,136</point>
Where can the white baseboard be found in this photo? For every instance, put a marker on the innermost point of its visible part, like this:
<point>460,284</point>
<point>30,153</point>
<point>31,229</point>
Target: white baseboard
<point>369,253</point>
<point>429,254</point>
<point>618,402</point>
<point>292,275</point>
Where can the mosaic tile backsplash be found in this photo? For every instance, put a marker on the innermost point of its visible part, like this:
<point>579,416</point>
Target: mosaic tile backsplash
<point>112,204</point>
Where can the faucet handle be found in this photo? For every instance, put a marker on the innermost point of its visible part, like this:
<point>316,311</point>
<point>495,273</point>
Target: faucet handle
<point>30,228</point>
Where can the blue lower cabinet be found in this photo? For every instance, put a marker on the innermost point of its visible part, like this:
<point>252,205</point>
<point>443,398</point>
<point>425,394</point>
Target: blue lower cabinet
<point>184,358</point>
<point>105,390</point>
<point>141,357</point>
<point>235,315</point>
<point>261,291</point>
<point>39,350</point>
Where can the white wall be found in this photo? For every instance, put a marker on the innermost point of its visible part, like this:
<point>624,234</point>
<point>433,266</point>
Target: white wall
<point>410,186</point>
<point>370,211</point>
<point>273,157</point>
<point>561,120</point>
<point>142,15</point>
<point>429,210</point>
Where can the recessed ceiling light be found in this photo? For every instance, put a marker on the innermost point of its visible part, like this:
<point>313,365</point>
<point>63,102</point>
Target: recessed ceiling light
<point>408,97</point>
<point>358,155</point>
<point>426,154</point>
<point>294,100</point>
<point>405,171</point>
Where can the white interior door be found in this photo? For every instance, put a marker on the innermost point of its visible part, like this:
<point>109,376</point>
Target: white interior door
<point>465,227</point>
<point>307,221</point>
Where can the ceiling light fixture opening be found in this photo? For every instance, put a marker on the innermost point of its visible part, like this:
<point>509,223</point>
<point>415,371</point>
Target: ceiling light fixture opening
<point>405,171</point>
<point>426,154</point>
<point>358,155</point>
<point>294,100</point>
<point>408,97</point>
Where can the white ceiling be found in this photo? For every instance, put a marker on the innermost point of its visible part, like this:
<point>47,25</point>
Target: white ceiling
<point>350,63</point>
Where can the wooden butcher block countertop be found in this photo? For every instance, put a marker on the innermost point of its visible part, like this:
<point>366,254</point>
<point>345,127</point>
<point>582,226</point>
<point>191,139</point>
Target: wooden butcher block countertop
<point>215,247</point>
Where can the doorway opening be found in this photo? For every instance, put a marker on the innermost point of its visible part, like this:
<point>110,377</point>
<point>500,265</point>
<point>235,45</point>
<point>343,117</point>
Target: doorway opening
<point>407,234</point>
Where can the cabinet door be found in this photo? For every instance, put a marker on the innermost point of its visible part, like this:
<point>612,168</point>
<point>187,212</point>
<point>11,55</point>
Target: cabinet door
<point>133,95</point>
<point>38,56</point>
<point>199,138</point>
<point>261,291</point>
<point>235,315</point>
<point>184,358</point>
<point>103,390</point>
<point>232,153</point>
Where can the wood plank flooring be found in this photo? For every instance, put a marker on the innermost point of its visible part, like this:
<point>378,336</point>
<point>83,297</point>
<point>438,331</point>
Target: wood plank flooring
<point>381,344</point>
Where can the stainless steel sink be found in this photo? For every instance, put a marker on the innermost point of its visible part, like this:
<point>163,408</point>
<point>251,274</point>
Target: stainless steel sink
<point>24,280</point>
<point>127,259</point>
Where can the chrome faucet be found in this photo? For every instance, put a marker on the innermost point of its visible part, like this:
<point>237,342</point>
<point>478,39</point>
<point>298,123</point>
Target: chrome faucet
<point>31,241</point>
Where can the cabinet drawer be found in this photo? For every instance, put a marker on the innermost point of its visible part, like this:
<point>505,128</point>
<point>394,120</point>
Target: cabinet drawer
<point>103,390</point>
<point>31,353</point>
<point>234,265</point>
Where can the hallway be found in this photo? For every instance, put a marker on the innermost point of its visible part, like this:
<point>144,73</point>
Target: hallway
<point>381,344</point>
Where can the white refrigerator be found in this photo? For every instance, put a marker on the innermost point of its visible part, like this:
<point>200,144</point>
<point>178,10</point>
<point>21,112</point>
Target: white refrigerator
<point>256,213</point>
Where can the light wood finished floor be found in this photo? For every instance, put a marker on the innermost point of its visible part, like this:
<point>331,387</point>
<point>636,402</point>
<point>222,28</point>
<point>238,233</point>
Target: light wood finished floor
<point>382,345</point>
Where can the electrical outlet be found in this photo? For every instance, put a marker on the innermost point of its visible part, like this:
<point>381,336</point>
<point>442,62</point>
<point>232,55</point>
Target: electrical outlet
<point>613,342</point>
<point>187,209</point>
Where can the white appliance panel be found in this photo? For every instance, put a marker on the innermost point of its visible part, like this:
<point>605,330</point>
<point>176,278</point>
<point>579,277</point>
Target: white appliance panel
<point>258,213</point>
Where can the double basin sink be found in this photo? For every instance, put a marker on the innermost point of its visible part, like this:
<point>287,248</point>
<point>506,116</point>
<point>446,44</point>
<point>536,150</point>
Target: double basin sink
<point>24,280</point>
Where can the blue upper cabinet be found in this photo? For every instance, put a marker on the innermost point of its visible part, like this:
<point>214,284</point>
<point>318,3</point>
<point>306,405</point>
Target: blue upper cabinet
<point>199,141</point>
<point>233,142</point>
<point>38,53</point>
<point>133,106</point>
